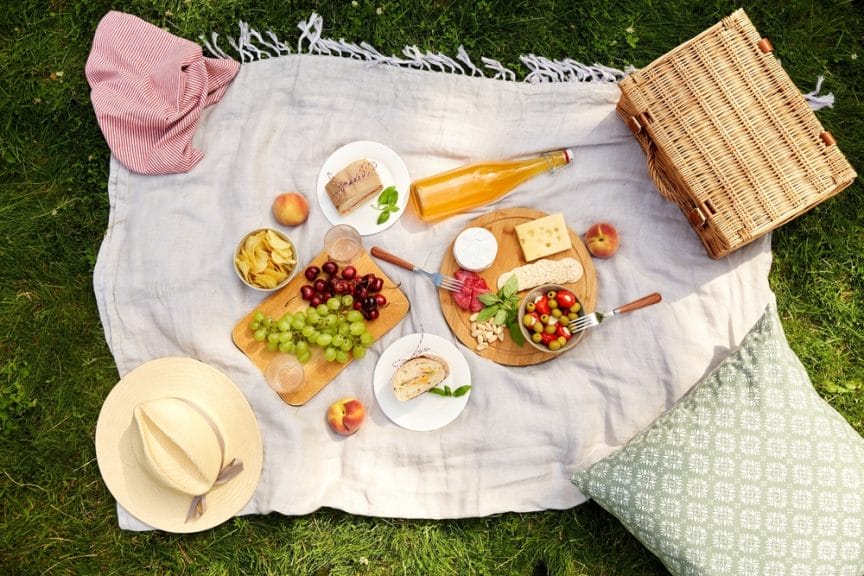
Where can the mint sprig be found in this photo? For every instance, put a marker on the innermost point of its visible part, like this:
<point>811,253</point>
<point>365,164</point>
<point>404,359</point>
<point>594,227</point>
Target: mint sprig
<point>386,203</point>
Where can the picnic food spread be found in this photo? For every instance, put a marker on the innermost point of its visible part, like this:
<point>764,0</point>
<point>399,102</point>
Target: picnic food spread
<point>283,324</point>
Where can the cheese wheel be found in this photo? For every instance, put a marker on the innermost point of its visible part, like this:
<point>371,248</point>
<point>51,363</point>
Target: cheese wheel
<point>475,249</point>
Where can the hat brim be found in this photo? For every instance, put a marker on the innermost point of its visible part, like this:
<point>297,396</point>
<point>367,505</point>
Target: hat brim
<point>132,485</point>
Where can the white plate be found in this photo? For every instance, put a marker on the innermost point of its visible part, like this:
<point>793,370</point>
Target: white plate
<point>392,172</point>
<point>427,411</point>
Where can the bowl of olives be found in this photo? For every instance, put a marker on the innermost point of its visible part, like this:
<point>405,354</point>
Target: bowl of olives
<point>544,317</point>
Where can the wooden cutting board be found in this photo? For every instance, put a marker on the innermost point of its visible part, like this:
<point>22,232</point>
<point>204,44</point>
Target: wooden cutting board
<point>318,371</point>
<point>501,224</point>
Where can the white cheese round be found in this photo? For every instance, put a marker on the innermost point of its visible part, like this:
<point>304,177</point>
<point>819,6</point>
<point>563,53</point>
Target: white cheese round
<point>475,249</point>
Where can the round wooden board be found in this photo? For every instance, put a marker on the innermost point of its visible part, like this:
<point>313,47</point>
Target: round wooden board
<point>501,224</point>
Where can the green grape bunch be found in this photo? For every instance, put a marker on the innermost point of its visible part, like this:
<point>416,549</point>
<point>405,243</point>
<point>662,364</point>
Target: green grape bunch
<point>334,326</point>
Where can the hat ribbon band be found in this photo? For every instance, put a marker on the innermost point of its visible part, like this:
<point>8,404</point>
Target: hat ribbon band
<point>198,506</point>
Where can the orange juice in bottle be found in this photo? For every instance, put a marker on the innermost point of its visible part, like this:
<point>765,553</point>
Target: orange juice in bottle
<point>442,195</point>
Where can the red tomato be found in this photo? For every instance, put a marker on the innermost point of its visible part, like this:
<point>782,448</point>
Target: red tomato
<point>542,305</point>
<point>563,330</point>
<point>547,338</point>
<point>565,299</point>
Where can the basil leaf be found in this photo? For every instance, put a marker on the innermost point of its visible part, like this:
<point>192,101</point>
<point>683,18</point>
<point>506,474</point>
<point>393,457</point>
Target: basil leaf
<point>487,313</point>
<point>516,333</point>
<point>447,390</point>
<point>384,216</point>
<point>437,391</point>
<point>500,317</point>
<point>389,196</point>
<point>512,315</point>
<point>510,288</point>
<point>462,390</point>
<point>489,298</point>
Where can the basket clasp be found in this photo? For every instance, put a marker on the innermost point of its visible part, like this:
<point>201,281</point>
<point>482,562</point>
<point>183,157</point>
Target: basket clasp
<point>697,217</point>
<point>639,121</point>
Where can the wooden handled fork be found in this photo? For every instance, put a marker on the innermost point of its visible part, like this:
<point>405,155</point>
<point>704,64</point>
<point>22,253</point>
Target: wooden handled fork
<point>595,318</point>
<point>440,280</point>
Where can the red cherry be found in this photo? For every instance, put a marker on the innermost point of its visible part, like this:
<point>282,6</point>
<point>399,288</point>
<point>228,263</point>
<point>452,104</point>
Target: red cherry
<point>311,273</point>
<point>376,284</point>
<point>330,267</point>
<point>370,314</point>
<point>349,272</point>
<point>320,285</point>
<point>306,292</point>
<point>381,300</point>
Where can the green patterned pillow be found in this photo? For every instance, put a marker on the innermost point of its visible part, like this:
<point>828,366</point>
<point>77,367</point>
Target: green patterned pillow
<point>750,473</point>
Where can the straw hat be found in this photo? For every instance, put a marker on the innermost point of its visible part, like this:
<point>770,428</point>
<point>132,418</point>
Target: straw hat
<point>178,445</point>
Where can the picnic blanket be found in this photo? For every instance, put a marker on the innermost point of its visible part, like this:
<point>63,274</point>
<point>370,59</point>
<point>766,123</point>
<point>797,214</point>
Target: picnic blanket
<point>165,285</point>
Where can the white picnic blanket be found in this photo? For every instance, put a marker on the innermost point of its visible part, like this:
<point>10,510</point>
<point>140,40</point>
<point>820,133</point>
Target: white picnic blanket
<point>165,284</point>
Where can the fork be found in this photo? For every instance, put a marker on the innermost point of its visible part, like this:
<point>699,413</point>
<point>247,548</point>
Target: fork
<point>440,280</point>
<point>594,319</point>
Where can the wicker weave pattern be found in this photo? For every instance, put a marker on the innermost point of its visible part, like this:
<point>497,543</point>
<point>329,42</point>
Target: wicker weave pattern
<point>729,137</point>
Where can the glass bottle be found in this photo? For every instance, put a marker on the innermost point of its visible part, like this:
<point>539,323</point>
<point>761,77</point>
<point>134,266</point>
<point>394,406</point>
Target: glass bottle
<point>442,195</point>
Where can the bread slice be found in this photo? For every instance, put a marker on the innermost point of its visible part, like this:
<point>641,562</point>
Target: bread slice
<point>352,185</point>
<point>418,375</point>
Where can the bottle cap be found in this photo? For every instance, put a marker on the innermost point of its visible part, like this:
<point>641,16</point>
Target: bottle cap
<point>475,249</point>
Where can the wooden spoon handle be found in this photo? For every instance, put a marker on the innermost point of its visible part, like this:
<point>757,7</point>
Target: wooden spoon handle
<point>640,303</point>
<point>392,258</point>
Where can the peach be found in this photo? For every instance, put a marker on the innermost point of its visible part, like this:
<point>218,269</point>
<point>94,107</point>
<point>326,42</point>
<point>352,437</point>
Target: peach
<point>601,239</point>
<point>345,416</point>
<point>291,208</point>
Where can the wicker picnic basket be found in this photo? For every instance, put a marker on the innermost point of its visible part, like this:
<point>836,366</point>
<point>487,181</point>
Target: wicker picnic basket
<point>729,138</point>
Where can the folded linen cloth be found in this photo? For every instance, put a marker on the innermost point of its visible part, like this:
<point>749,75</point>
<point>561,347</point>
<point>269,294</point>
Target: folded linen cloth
<point>148,90</point>
<point>165,285</point>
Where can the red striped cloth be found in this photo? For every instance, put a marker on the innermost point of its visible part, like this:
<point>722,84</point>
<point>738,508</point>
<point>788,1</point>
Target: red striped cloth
<point>148,88</point>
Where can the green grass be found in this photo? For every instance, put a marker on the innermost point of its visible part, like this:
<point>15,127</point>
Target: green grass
<point>56,517</point>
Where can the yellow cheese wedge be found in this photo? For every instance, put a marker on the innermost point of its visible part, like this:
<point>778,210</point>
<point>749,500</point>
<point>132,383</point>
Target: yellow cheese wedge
<point>543,236</point>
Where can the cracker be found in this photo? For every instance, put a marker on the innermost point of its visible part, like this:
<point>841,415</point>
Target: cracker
<point>544,271</point>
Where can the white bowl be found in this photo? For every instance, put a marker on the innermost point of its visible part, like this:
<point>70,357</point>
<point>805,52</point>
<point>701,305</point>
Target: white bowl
<point>285,281</point>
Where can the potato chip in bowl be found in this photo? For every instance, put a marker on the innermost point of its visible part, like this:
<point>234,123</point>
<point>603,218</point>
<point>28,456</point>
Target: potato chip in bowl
<point>265,259</point>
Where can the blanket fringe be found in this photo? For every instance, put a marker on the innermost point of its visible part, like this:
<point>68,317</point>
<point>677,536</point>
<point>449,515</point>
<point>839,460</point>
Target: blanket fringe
<point>251,45</point>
